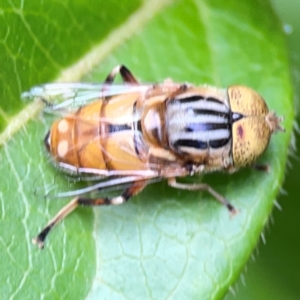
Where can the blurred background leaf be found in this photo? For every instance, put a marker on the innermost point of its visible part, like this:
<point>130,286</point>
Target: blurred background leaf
<point>164,243</point>
<point>273,273</point>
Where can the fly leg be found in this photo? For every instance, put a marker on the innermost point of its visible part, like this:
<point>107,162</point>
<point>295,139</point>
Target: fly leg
<point>261,167</point>
<point>202,187</point>
<point>125,74</point>
<point>132,190</point>
<point>182,88</point>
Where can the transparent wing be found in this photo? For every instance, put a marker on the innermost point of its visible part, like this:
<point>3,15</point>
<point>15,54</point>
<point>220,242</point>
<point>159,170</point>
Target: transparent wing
<point>60,96</point>
<point>69,187</point>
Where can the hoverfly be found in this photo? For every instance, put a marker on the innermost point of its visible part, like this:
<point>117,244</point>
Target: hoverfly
<point>136,133</point>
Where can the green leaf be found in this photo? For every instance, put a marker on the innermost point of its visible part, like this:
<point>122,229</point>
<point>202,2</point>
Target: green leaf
<point>164,243</point>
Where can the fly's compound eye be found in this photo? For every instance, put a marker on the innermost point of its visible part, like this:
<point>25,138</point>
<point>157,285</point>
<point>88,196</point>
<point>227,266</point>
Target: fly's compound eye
<point>47,141</point>
<point>250,138</point>
<point>250,134</point>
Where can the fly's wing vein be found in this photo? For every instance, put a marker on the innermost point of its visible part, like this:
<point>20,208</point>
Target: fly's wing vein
<point>69,96</point>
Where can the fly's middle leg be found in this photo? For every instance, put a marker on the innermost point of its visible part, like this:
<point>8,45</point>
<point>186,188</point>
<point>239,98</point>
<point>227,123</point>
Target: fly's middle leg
<point>203,187</point>
<point>132,190</point>
<point>125,74</point>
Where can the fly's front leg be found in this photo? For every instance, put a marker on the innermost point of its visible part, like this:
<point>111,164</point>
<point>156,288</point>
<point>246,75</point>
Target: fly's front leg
<point>181,89</point>
<point>134,189</point>
<point>202,187</point>
<point>125,74</point>
<point>261,167</point>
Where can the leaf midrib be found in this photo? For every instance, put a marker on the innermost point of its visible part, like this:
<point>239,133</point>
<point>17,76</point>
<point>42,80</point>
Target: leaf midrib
<point>86,63</point>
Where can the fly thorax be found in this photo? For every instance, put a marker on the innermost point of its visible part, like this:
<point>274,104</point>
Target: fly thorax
<point>153,125</point>
<point>199,128</point>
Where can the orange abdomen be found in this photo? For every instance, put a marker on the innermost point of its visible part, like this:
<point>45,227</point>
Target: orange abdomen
<point>100,136</point>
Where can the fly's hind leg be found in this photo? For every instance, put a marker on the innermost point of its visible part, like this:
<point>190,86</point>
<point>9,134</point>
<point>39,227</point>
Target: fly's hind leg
<point>203,187</point>
<point>125,74</point>
<point>132,190</point>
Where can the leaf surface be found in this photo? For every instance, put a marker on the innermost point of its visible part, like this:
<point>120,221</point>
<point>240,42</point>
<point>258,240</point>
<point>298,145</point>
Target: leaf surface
<point>164,243</point>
